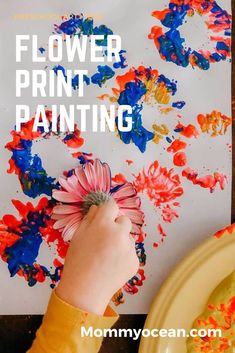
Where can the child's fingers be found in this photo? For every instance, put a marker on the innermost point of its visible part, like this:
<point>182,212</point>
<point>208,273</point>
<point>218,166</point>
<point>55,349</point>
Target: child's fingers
<point>124,222</point>
<point>91,213</point>
<point>108,211</point>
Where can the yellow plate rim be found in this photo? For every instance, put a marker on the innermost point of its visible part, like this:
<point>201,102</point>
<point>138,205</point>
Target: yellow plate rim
<point>161,304</point>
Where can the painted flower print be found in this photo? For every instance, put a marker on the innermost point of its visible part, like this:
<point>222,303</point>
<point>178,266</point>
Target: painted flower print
<point>91,184</point>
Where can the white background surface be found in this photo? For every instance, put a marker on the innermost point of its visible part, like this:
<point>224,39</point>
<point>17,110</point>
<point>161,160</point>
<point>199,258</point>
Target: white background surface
<point>201,213</point>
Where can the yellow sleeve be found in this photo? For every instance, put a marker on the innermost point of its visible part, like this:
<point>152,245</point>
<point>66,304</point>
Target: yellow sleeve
<point>60,331</point>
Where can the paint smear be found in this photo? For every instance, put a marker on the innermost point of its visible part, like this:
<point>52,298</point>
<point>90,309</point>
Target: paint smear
<point>169,212</point>
<point>229,229</point>
<point>160,131</point>
<point>21,239</point>
<point>162,234</point>
<point>208,181</point>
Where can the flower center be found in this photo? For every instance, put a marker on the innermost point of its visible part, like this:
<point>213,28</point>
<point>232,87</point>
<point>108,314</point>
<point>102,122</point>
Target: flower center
<point>94,198</point>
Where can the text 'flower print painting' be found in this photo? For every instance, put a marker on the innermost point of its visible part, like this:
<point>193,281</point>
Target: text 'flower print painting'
<point>166,162</point>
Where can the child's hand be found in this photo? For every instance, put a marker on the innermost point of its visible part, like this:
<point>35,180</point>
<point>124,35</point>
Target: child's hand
<point>100,259</point>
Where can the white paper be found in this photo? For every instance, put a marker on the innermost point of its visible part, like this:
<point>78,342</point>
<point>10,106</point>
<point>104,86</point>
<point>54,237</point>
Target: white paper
<point>201,213</point>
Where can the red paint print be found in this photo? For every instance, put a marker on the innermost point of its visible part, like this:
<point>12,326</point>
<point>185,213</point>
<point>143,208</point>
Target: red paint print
<point>187,131</point>
<point>207,181</point>
<point>169,213</point>
<point>160,184</point>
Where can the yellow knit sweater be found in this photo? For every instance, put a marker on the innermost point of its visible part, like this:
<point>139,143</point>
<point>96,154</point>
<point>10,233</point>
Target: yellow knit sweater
<point>60,331</point>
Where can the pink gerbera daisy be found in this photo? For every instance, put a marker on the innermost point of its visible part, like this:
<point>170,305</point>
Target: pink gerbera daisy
<point>91,184</point>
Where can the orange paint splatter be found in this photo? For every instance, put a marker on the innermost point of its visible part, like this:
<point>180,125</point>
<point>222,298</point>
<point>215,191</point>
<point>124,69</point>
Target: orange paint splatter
<point>221,316</point>
<point>230,229</point>
<point>119,178</point>
<point>176,146</point>
<point>76,140</point>
<point>160,15</point>
<point>187,131</point>
<point>214,123</point>
<point>156,32</point>
<point>123,79</point>
<point>103,96</point>
<point>129,161</point>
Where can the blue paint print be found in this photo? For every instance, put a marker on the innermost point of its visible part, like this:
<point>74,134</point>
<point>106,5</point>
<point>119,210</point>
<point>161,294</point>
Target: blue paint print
<point>104,73</point>
<point>77,25</point>
<point>171,45</point>
<point>21,256</point>
<point>42,50</point>
<point>178,105</point>
<point>75,79</point>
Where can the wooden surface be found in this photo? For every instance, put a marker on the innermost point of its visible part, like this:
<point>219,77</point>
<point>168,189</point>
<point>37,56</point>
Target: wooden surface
<point>17,332</point>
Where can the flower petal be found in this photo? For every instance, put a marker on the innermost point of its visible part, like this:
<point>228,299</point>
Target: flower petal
<point>66,209</point>
<point>64,196</point>
<point>90,176</point>
<point>63,182</point>
<point>75,185</point>
<point>136,228</point>
<point>126,190</point>
<point>61,223</point>
<point>71,228</point>
<point>79,172</point>
<point>57,216</point>
<point>136,216</point>
<point>106,177</point>
<point>98,168</point>
<point>129,202</point>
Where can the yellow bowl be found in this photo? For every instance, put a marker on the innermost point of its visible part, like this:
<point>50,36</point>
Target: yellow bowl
<point>184,294</point>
